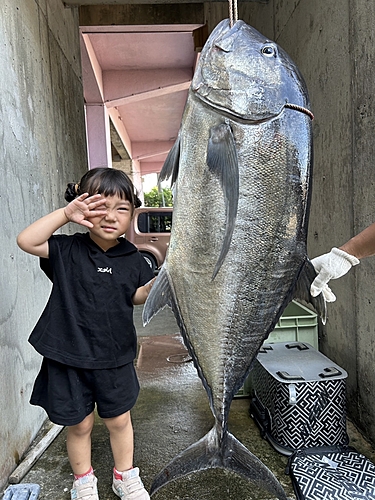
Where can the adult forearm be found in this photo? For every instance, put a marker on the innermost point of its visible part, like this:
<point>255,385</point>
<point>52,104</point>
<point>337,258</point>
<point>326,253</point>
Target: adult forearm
<point>363,244</point>
<point>34,239</point>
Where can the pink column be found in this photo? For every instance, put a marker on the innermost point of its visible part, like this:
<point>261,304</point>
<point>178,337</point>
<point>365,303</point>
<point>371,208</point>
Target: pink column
<point>98,136</point>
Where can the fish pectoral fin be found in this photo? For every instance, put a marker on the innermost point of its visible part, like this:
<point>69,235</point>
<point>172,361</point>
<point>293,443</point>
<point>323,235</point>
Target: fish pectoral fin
<point>171,164</point>
<point>160,296</point>
<point>305,278</point>
<point>222,162</point>
<point>229,453</point>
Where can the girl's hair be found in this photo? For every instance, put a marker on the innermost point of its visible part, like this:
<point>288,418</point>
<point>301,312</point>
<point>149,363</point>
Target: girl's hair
<point>105,181</point>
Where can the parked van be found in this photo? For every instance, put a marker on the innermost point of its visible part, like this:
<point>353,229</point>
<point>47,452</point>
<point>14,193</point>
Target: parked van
<point>150,232</point>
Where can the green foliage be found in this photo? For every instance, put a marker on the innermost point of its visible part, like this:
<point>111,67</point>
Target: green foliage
<point>155,198</point>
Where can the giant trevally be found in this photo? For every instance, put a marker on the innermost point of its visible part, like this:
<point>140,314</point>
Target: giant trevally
<point>241,169</point>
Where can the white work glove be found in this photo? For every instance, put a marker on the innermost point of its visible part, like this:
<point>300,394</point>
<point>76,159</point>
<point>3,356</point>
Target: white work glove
<point>330,266</point>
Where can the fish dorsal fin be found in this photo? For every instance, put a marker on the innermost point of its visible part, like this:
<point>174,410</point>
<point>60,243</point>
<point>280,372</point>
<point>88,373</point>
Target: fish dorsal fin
<point>171,164</point>
<point>222,161</point>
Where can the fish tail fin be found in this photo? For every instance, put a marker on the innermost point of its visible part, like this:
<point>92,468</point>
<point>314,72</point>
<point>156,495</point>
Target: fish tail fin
<point>227,453</point>
<point>240,460</point>
<point>306,277</point>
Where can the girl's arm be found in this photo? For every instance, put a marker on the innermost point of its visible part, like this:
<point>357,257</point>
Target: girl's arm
<point>142,292</point>
<point>34,239</point>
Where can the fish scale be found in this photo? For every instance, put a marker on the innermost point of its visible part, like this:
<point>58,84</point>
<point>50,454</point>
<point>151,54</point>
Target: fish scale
<point>241,168</point>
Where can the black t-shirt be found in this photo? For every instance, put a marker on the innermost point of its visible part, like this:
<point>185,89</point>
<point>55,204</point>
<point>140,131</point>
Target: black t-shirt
<point>88,320</point>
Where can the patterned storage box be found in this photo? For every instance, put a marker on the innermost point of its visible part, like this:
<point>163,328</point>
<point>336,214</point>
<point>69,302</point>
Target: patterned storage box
<point>299,397</point>
<point>332,473</point>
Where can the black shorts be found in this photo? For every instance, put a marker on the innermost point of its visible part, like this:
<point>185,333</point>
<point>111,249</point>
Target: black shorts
<point>69,394</point>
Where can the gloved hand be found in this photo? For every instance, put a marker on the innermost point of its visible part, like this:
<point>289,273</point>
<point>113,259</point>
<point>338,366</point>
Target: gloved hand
<point>330,266</point>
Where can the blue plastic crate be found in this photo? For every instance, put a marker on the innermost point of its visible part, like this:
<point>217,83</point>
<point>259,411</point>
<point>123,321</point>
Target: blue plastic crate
<point>23,491</point>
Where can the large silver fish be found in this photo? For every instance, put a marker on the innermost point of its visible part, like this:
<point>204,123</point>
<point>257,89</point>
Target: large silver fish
<point>237,256</point>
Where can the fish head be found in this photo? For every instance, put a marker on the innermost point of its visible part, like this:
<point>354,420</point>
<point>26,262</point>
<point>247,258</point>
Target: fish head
<point>246,76</point>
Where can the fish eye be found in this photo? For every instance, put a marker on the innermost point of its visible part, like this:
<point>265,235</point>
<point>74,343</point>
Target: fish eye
<point>269,51</point>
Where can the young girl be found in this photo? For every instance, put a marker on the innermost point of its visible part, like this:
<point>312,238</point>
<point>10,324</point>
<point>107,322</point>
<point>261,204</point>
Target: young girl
<point>86,332</point>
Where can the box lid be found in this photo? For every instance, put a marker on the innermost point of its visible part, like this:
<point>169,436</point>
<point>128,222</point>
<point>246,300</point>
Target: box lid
<point>298,362</point>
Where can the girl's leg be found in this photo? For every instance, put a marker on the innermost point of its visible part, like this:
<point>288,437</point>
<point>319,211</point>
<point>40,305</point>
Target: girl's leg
<point>78,443</point>
<point>126,481</point>
<point>122,442</point>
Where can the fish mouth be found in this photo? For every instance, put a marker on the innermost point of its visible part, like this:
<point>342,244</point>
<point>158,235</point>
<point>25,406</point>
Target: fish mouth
<point>233,115</point>
<point>246,120</point>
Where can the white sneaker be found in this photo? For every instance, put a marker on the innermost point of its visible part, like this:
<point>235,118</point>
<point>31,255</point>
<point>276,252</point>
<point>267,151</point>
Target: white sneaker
<point>130,487</point>
<point>85,488</point>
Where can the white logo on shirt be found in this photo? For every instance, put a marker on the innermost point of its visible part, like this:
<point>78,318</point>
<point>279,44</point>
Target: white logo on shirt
<point>105,270</point>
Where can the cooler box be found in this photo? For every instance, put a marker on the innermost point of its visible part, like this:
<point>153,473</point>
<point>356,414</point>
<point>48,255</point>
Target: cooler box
<point>299,397</point>
<point>331,473</point>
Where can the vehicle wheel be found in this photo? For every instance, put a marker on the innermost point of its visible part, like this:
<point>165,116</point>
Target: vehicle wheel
<point>150,261</point>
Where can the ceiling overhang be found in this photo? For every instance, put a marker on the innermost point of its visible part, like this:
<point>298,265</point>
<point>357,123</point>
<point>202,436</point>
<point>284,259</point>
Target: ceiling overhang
<point>137,67</point>
<point>140,74</point>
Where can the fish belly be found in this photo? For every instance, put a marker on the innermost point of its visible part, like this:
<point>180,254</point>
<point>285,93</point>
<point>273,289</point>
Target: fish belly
<point>226,319</point>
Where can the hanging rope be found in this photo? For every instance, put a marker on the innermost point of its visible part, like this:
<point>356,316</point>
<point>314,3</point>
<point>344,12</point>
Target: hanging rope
<point>233,12</point>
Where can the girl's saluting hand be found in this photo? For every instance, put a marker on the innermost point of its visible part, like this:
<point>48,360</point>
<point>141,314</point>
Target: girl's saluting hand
<point>83,207</point>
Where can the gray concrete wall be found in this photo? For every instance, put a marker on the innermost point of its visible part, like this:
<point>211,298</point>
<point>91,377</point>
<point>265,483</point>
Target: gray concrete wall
<point>333,45</point>
<point>334,48</point>
<point>359,288</point>
<point>42,148</point>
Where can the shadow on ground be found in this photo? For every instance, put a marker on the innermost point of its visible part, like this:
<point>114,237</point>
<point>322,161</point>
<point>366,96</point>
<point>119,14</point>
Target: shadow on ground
<point>171,413</point>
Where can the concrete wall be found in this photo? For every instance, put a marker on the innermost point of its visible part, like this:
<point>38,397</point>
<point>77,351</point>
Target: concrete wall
<point>334,48</point>
<point>43,147</point>
<point>333,45</point>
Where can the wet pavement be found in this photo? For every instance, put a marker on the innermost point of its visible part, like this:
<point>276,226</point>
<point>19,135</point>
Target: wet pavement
<point>171,413</point>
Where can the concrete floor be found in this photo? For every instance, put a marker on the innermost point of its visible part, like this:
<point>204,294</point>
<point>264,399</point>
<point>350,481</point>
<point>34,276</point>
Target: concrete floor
<point>171,413</point>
